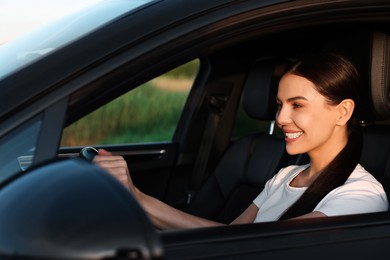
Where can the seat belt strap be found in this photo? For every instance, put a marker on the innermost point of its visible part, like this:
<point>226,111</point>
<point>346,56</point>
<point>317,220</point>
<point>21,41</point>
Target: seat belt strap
<point>216,105</point>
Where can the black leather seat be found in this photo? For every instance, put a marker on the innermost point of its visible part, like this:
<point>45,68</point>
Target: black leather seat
<point>376,153</point>
<point>249,162</point>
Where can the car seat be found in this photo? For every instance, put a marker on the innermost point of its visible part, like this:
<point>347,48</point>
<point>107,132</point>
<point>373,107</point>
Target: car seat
<point>249,161</point>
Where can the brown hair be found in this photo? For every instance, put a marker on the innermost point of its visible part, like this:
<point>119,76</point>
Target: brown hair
<point>336,78</point>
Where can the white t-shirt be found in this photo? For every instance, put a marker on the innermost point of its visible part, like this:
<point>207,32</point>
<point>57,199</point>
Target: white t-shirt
<point>361,193</point>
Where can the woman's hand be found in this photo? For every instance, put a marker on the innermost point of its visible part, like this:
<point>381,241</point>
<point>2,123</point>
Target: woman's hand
<point>116,166</point>
<point>161,214</point>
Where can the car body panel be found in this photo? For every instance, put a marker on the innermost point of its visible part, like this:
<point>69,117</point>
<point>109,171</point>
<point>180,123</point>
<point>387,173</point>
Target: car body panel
<point>226,36</point>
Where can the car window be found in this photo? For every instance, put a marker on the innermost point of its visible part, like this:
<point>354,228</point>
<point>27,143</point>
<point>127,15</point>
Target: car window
<point>19,147</point>
<point>148,113</point>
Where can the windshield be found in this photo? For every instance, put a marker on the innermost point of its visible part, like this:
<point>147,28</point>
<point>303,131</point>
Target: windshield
<point>46,39</point>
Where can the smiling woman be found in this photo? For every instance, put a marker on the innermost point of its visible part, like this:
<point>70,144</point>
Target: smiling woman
<point>54,205</point>
<point>21,16</point>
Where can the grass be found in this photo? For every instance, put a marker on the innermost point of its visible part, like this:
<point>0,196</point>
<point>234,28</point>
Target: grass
<point>146,114</point>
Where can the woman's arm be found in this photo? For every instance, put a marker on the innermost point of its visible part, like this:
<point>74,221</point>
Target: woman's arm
<point>164,216</point>
<point>161,214</point>
<point>248,216</point>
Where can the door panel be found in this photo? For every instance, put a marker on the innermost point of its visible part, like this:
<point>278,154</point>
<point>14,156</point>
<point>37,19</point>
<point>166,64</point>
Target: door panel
<point>151,165</point>
<point>356,237</point>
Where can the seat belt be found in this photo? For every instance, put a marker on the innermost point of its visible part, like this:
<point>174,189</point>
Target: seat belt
<point>333,178</point>
<point>216,105</point>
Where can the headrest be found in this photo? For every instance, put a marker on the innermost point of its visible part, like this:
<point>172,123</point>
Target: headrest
<point>371,58</point>
<point>380,81</point>
<point>261,87</point>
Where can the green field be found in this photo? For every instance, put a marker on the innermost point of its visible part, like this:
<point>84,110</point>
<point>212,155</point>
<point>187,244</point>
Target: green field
<point>145,114</point>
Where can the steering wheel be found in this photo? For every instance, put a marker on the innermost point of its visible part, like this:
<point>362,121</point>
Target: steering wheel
<point>88,153</point>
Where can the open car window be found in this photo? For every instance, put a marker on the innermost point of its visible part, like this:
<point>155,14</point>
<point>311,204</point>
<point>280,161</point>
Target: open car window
<point>147,113</point>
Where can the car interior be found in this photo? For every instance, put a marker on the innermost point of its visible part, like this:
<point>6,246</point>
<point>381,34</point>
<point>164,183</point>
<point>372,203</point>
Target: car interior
<point>251,160</point>
<point>236,170</point>
<point>247,161</point>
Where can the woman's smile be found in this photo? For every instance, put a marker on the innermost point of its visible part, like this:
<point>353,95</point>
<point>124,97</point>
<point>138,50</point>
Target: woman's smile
<point>292,136</point>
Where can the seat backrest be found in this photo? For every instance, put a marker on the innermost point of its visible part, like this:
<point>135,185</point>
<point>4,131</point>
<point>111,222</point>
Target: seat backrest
<point>250,161</point>
<point>376,153</point>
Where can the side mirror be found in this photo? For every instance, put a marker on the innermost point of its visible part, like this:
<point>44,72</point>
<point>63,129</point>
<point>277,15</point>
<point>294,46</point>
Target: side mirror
<point>73,209</point>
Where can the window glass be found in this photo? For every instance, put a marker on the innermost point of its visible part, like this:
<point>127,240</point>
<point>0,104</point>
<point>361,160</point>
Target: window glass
<point>19,147</point>
<point>148,113</point>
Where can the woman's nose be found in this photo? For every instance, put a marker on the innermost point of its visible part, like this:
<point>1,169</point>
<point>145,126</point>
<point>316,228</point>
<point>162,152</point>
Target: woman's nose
<point>282,116</point>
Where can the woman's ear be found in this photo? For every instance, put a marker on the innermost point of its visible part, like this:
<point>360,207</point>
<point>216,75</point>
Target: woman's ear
<point>345,109</point>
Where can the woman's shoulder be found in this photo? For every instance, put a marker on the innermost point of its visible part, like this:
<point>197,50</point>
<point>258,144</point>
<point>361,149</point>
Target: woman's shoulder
<point>360,174</point>
<point>283,177</point>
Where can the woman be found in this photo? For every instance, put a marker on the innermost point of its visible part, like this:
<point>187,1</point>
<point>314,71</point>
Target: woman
<point>317,100</point>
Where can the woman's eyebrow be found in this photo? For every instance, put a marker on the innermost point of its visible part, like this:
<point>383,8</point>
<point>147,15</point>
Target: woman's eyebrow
<point>292,99</point>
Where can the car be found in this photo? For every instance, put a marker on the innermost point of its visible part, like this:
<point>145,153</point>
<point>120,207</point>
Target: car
<point>165,84</point>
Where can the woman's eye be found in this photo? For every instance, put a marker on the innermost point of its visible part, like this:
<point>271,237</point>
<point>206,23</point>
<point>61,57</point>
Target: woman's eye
<point>295,105</point>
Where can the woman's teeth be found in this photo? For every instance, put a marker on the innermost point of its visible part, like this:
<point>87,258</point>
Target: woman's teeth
<point>293,135</point>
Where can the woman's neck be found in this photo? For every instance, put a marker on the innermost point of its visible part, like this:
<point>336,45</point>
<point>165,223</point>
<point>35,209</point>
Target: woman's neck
<point>322,156</point>
<point>319,159</point>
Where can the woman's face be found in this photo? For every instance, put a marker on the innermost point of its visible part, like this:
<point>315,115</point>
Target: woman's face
<point>306,119</point>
